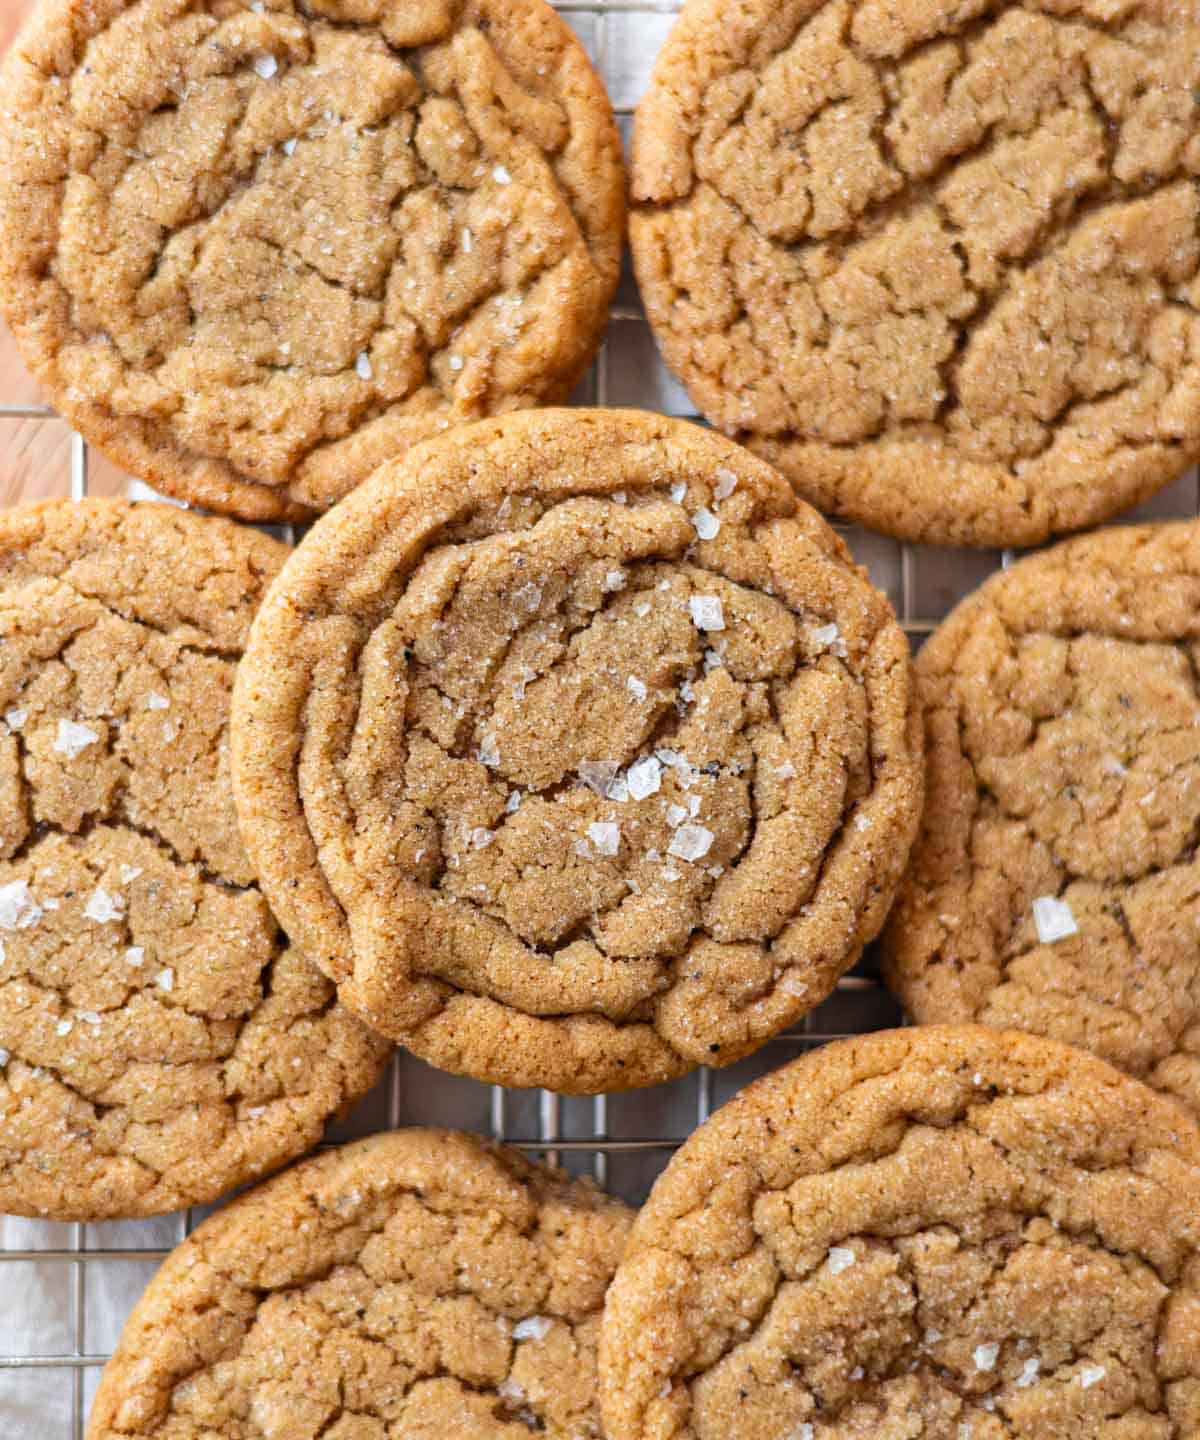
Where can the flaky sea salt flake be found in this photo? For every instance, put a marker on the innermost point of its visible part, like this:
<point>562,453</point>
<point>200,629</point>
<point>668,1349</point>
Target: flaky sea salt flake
<point>501,176</point>
<point>644,778</point>
<point>489,752</point>
<point>691,842</point>
<point>129,873</point>
<point>266,67</point>
<point>679,493</point>
<point>726,484</point>
<point>15,719</point>
<point>103,907</point>
<point>605,836</point>
<point>1029,1374</point>
<point>157,702</point>
<point>135,955</point>
<point>826,635</point>
<point>707,612</point>
<point>165,980</point>
<point>706,524</point>
<point>840,1258</point>
<point>18,909</point>
<point>598,775</point>
<point>362,366</point>
<point>537,1327</point>
<point>614,580</point>
<point>636,687</point>
<point>1091,1375</point>
<point>1053,919</point>
<point>73,738</point>
<point>481,837</point>
<point>986,1356</point>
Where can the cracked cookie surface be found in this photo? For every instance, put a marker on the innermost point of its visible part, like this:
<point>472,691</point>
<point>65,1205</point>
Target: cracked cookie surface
<point>253,249</point>
<point>939,263</point>
<point>593,758</point>
<point>419,1284</point>
<point>159,1041</point>
<point>1062,727</point>
<point>951,1232</point>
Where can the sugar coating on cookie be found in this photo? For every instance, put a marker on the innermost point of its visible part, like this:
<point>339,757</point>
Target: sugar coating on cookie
<point>252,249</point>
<point>940,263</point>
<point>159,1043</point>
<point>1055,886</point>
<point>418,1283</point>
<point>943,1231</point>
<point>558,791</point>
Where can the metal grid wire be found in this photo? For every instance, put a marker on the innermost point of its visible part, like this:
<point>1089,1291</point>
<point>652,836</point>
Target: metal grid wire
<point>76,1271</point>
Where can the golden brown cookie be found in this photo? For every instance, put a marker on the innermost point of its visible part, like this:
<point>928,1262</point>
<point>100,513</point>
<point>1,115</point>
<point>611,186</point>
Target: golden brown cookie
<point>418,1284</point>
<point>938,262</point>
<point>577,751</point>
<point>251,248</point>
<point>159,1042</point>
<point>1056,885</point>
<point>955,1233</point>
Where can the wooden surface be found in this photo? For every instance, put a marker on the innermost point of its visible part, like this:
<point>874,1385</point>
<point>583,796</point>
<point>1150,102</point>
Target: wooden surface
<point>12,12</point>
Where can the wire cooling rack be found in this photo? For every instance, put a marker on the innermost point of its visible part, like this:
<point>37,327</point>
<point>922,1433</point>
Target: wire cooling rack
<point>68,1288</point>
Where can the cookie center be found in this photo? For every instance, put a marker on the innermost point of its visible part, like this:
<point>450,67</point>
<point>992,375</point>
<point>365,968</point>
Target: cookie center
<point>624,735</point>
